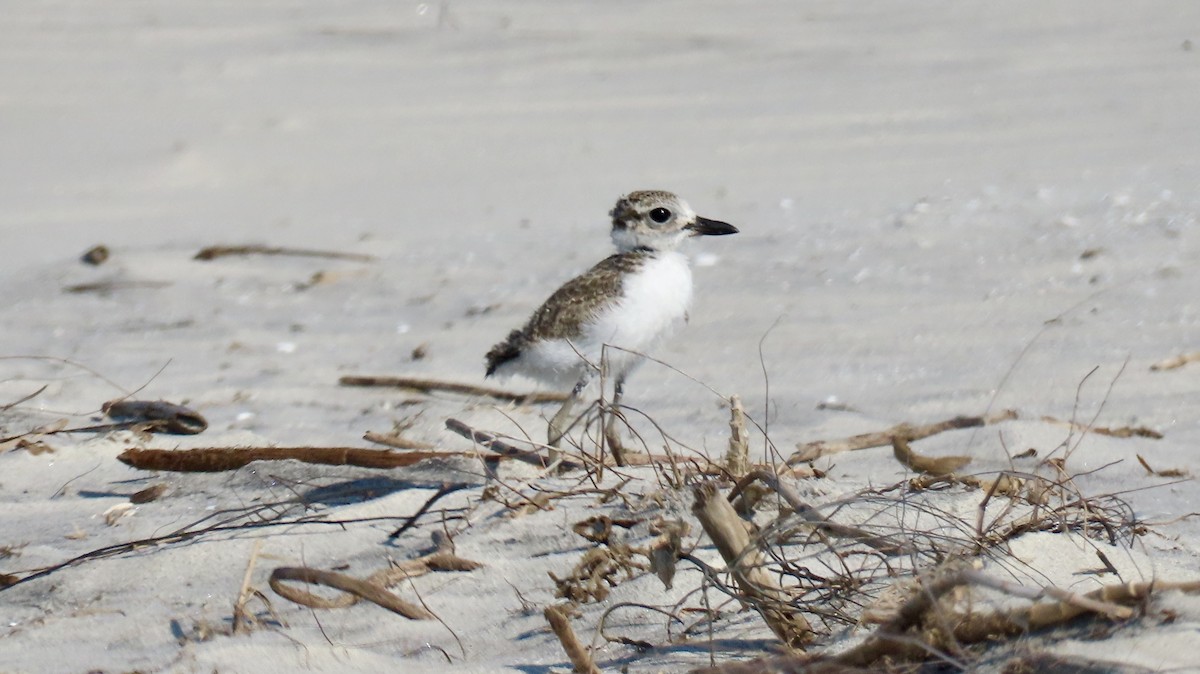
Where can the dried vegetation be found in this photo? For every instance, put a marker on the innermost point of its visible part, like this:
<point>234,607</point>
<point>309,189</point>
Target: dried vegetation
<point>921,569</point>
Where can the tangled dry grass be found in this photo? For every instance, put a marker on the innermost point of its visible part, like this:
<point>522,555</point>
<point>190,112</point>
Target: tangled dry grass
<point>921,570</point>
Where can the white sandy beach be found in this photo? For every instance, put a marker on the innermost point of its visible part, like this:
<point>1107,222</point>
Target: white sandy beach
<point>945,208</point>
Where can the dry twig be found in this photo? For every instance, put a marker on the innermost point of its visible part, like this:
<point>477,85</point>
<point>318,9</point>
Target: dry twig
<point>216,459</point>
<point>1176,362</point>
<point>374,588</point>
<point>1121,432</point>
<point>491,442</point>
<point>113,285</point>
<point>395,440</point>
<point>214,252</point>
<point>748,566</point>
<point>809,451</point>
<point>819,521</point>
<point>581,659</point>
<point>928,465</point>
<point>1166,472</point>
<point>242,618</point>
<point>430,385</point>
<point>354,587</point>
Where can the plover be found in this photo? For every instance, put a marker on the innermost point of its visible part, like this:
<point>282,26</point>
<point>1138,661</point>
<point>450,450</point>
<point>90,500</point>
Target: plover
<point>629,300</point>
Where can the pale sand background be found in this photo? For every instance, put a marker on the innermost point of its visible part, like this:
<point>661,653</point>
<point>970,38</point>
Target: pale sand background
<point>915,183</point>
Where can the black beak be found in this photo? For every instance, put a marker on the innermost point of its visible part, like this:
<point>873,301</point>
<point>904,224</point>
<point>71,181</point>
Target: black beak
<point>706,227</point>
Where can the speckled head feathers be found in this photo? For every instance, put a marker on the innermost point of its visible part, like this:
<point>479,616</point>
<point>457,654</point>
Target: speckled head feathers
<point>658,220</point>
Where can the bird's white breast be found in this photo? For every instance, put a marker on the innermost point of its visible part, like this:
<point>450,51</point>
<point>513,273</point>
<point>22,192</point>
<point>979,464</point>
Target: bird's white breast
<point>654,300</point>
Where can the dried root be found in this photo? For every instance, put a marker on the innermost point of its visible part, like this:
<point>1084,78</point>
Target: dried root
<point>374,588</point>
<point>581,659</point>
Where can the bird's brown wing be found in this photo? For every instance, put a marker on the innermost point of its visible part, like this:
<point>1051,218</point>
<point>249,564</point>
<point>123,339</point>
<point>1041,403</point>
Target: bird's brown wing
<point>576,302</point>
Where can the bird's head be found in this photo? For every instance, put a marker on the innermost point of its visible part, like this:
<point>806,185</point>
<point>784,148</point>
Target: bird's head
<point>658,220</point>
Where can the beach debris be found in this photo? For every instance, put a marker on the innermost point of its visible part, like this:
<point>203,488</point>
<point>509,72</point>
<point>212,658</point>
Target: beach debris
<point>815,520</point>
<point>139,416</point>
<point>494,443</point>
<point>395,441</point>
<point>31,440</point>
<point>1168,472</point>
<point>928,465</point>
<point>925,624</point>
<point>375,587</point>
<point>808,451</point>
<point>597,572</point>
<point>112,285</point>
<point>665,550</point>
<point>433,385</point>
<point>747,565</point>
<point>151,493</point>
<point>243,619</point>
<point>737,458</point>
<point>214,252</point>
<point>1121,432</point>
<point>23,399</point>
<point>411,522</point>
<point>96,255</point>
<point>117,512</point>
<point>354,588</point>
<point>216,459</point>
<point>28,442</point>
<point>156,416</point>
<point>580,657</point>
<point>1176,361</point>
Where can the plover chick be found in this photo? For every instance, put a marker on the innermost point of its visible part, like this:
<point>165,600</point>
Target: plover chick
<point>629,300</point>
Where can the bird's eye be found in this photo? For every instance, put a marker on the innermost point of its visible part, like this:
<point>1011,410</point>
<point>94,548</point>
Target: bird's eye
<point>660,215</point>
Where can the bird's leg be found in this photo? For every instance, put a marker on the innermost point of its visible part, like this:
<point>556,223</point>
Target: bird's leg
<point>562,419</point>
<point>610,427</point>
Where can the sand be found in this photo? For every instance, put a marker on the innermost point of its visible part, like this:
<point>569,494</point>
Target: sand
<point>945,208</point>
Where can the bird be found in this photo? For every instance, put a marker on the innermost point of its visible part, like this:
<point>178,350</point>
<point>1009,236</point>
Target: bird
<point>631,300</point>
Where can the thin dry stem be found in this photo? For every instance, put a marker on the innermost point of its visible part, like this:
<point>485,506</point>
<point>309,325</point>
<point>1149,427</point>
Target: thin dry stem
<point>748,566</point>
<point>430,385</point>
<point>809,451</point>
<point>581,659</point>
<point>241,618</point>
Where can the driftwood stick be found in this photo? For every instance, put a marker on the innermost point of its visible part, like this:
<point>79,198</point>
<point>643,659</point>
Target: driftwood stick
<point>896,641</point>
<point>1066,598</point>
<point>581,659</point>
<point>938,466</point>
<point>372,592</point>
<point>374,587</point>
<point>820,522</point>
<point>973,628</point>
<point>890,639</point>
<point>216,459</point>
<point>214,252</point>
<point>112,285</point>
<point>447,488</point>
<point>737,459</point>
<point>395,440</point>
<point>241,617</point>
<point>748,566</point>
<point>23,399</point>
<point>1120,432</point>
<point>808,451</point>
<point>491,442</point>
<point>1177,361</point>
<point>429,385</point>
